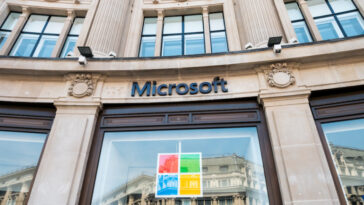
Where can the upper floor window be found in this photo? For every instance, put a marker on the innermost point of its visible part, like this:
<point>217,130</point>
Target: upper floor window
<point>147,44</point>
<point>336,18</point>
<point>8,26</point>
<point>39,36</point>
<point>72,37</point>
<point>217,33</point>
<point>298,22</point>
<point>183,35</point>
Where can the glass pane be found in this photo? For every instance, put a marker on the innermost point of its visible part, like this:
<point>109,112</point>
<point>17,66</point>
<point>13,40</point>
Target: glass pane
<point>193,24</point>
<point>216,22</point>
<point>55,25</point>
<point>147,47</point>
<point>25,45</point>
<point>328,28</point>
<point>172,25</point>
<point>346,142</point>
<point>294,11</point>
<point>318,8</point>
<point>77,26</point>
<point>45,46</point>
<point>352,23</point>
<point>131,164</point>
<point>19,156</point>
<point>218,42</point>
<point>69,46</point>
<point>342,5</point>
<point>35,23</point>
<point>3,36</point>
<point>11,21</point>
<point>172,45</point>
<point>194,44</point>
<point>150,26</point>
<point>302,32</point>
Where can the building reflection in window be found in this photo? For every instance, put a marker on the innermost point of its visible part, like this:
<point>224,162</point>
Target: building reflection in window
<point>346,142</point>
<point>19,155</point>
<point>127,166</point>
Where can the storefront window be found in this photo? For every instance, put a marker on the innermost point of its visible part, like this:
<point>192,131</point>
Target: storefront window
<point>19,156</point>
<point>181,167</point>
<point>346,142</point>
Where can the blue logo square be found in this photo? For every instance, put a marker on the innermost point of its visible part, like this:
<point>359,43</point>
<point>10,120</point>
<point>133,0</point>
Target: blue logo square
<point>167,185</point>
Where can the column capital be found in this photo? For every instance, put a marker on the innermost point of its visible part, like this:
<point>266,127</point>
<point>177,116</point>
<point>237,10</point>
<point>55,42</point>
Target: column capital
<point>271,99</point>
<point>160,14</point>
<point>25,10</point>
<point>71,13</point>
<point>77,106</point>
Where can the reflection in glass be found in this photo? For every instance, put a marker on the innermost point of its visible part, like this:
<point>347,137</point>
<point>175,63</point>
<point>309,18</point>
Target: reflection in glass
<point>25,45</point>
<point>216,22</point>
<point>193,23</point>
<point>150,26</point>
<point>302,32</point>
<point>77,26</point>
<point>352,23</point>
<point>128,163</point>
<point>218,42</point>
<point>172,45</point>
<point>35,23</point>
<point>10,21</point>
<point>45,46</point>
<point>294,11</point>
<point>19,155</point>
<point>3,36</point>
<point>194,44</point>
<point>55,25</point>
<point>147,47</point>
<point>346,142</point>
<point>172,25</point>
<point>69,45</point>
<point>318,8</point>
<point>328,28</point>
<point>342,5</point>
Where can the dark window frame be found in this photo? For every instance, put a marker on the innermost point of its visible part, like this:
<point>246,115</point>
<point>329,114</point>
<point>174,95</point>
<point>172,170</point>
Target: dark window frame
<point>333,14</point>
<point>2,24</point>
<point>253,117</point>
<point>218,31</point>
<point>40,35</point>
<point>333,106</point>
<point>147,35</point>
<point>28,118</point>
<point>183,34</point>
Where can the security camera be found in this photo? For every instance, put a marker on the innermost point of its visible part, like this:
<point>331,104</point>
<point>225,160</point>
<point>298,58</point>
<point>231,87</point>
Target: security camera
<point>248,46</point>
<point>112,54</point>
<point>277,48</point>
<point>82,60</point>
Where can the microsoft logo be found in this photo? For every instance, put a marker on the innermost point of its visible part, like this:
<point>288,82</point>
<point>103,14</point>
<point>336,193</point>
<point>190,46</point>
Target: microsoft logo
<point>179,175</point>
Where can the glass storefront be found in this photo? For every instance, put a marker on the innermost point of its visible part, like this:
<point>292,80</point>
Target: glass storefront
<point>346,142</point>
<point>19,156</point>
<point>217,166</point>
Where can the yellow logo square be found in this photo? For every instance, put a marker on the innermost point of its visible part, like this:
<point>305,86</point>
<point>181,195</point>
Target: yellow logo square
<point>190,184</point>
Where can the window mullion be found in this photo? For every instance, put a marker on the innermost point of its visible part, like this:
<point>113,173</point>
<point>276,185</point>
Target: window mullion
<point>40,36</point>
<point>63,35</point>
<point>309,20</point>
<point>336,19</point>
<point>183,35</point>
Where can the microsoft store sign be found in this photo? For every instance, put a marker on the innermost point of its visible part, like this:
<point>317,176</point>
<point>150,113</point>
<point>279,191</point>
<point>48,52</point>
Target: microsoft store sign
<point>153,88</point>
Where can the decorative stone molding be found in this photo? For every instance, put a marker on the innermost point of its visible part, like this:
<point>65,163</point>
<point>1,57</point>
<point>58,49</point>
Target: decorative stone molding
<point>82,85</point>
<point>279,75</point>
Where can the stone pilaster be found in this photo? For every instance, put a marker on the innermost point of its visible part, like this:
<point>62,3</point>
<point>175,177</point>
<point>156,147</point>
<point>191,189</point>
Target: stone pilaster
<point>302,168</point>
<point>206,24</point>
<point>309,20</point>
<point>232,33</point>
<point>64,159</point>
<point>285,20</point>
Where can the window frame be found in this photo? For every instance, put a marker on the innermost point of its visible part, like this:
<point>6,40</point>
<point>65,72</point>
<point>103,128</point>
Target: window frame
<point>183,34</point>
<point>217,31</point>
<point>334,106</point>
<point>2,24</point>
<point>35,33</point>
<point>147,35</point>
<point>28,118</point>
<point>334,15</point>
<point>254,119</point>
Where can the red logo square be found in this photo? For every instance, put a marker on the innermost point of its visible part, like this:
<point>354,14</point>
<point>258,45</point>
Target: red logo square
<point>168,163</point>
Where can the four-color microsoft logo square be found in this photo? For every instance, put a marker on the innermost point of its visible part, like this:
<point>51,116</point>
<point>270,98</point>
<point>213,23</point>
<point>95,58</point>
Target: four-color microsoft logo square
<point>179,174</point>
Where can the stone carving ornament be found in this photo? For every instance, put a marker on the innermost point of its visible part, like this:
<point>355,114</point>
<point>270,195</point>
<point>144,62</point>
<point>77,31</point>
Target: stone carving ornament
<point>81,86</point>
<point>279,76</point>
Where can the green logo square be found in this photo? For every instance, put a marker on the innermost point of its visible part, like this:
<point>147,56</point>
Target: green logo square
<point>190,163</point>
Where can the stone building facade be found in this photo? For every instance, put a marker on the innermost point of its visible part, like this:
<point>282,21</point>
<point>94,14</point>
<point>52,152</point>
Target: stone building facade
<point>57,111</point>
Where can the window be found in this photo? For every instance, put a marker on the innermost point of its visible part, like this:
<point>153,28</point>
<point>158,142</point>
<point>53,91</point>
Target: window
<point>298,22</point>
<point>147,44</point>
<point>217,33</point>
<point>8,26</point>
<point>39,36</point>
<point>224,168</point>
<point>23,132</point>
<point>183,35</point>
<point>340,121</point>
<point>72,37</point>
<point>336,18</point>
<point>145,146</point>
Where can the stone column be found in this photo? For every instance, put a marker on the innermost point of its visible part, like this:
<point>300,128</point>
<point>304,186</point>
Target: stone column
<point>214,200</point>
<point>232,32</point>
<point>302,167</point>
<point>163,202</point>
<point>131,200</point>
<point>64,33</point>
<point>158,37</point>
<point>6,196</point>
<point>60,173</point>
<point>16,31</point>
<point>285,20</point>
<point>206,25</point>
<point>134,33</point>
<point>24,189</point>
<point>173,201</point>
<point>309,20</point>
